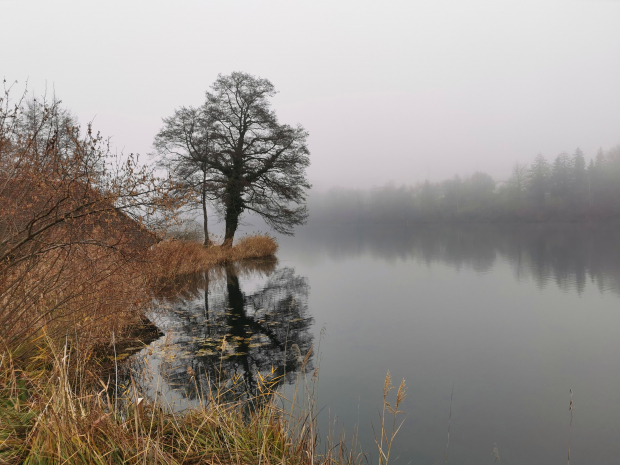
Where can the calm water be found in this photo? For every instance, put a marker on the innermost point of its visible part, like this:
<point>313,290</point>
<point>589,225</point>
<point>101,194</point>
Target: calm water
<point>509,317</point>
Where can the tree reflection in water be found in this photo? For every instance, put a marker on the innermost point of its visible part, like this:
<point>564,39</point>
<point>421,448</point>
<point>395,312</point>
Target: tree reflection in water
<point>564,254</point>
<point>265,332</point>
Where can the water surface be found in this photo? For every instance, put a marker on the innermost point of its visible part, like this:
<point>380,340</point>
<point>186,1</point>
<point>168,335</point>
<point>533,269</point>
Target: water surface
<point>508,318</point>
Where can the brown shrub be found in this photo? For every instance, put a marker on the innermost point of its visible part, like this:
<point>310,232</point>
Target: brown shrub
<point>83,293</point>
<point>73,230</point>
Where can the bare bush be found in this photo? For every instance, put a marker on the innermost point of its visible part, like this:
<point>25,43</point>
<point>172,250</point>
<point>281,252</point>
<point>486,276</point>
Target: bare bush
<point>75,224</point>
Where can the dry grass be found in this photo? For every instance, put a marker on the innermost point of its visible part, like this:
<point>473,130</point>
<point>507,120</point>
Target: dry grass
<point>47,416</point>
<point>177,258</point>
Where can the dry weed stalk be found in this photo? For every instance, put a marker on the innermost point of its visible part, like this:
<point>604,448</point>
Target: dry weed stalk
<point>496,455</point>
<point>387,434</point>
<point>449,423</point>
<point>570,426</point>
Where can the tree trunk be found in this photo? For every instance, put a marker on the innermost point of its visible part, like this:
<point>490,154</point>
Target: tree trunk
<point>207,241</point>
<point>232,221</point>
<point>234,204</point>
<point>206,275</point>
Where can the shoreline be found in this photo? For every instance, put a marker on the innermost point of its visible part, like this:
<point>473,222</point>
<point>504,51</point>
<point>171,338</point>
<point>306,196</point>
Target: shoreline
<point>53,409</point>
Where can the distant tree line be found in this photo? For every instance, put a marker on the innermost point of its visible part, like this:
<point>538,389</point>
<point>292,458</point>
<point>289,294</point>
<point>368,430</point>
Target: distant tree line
<point>569,188</point>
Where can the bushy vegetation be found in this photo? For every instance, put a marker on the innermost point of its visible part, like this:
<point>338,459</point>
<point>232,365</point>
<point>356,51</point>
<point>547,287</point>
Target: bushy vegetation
<point>74,229</point>
<point>569,188</point>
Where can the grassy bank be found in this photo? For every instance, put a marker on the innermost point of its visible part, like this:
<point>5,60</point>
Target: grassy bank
<point>80,262</point>
<point>60,404</point>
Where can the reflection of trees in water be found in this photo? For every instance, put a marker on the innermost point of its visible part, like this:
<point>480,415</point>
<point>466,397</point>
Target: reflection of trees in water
<point>188,288</point>
<point>265,331</point>
<point>567,254</point>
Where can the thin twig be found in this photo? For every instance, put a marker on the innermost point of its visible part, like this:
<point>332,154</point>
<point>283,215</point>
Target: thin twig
<point>116,369</point>
<point>570,426</point>
<point>449,421</point>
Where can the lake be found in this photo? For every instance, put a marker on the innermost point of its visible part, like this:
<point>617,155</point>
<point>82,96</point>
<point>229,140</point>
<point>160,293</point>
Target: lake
<point>505,319</point>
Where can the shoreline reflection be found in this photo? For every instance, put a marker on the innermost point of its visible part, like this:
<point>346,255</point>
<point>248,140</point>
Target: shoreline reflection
<point>218,336</point>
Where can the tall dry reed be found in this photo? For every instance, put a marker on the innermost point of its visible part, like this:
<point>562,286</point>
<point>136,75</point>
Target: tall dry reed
<point>388,431</point>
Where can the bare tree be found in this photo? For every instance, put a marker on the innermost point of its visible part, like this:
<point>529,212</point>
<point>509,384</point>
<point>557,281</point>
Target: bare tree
<point>260,163</point>
<point>249,161</point>
<point>185,147</point>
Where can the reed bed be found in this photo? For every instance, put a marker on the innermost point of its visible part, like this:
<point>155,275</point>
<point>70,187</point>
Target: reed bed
<point>175,258</point>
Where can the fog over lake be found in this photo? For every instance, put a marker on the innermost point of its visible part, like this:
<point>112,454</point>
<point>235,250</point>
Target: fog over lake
<point>463,217</point>
<point>397,91</point>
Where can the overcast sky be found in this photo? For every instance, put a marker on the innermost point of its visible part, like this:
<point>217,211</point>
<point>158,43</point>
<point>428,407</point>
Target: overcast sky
<point>389,91</point>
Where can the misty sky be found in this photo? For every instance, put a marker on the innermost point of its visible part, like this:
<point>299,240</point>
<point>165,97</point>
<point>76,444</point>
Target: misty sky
<point>389,91</point>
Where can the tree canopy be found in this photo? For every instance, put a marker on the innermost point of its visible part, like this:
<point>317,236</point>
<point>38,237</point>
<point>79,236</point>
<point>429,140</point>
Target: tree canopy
<point>248,160</point>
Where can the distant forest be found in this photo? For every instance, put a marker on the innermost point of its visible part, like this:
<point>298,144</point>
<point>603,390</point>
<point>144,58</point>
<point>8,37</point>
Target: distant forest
<point>567,189</point>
